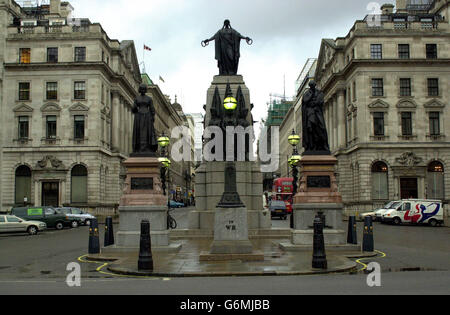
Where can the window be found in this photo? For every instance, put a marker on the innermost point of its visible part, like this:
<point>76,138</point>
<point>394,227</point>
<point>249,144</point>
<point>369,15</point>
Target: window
<point>377,87</point>
<point>52,54</point>
<point>435,180</point>
<point>24,91</point>
<point>435,129</point>
<point>80,90</point>
<point>378,124</point>
<point>51,127</point>
<point>403,51</point>
<point>376,51</point>
<point>79,176</point>
<point>407,124</point>
<point>379,181</point>
<point>2,219</point>
<point>23,127</point>
<point>12,219</point>
<point>22,184</point>
<point>24,55</point>
<point>80,54</point>
<point>431,51</point>
<point>354,90</point>
<point>433,87</point>
<point>78,127</point>
<point>52,90</point>
<point>405,87</point>
<point>50,211</point>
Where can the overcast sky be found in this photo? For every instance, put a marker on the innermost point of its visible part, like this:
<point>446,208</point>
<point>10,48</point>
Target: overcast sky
<point>285,34</point>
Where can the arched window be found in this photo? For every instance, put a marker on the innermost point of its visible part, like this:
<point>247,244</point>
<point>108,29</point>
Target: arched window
<point>23,185</point>
<point>380,181</point>
<point>435,179</point>
<point>79,184</point>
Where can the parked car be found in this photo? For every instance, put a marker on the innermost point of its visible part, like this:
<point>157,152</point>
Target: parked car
<point>278,209</point>
<point>380,212</point>
<point>175,204</point>
<point>11,223</point>
<point>415,211</point>
<point>86,218</point>
<point>48,215</point>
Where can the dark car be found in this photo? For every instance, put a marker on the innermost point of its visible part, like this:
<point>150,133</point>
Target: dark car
<point>48,215</point>
<point>278,209</point>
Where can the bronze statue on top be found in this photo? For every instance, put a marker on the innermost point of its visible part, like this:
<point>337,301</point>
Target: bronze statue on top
<point>228,43</point>
<point>144,135</point>
<point>315,136</point>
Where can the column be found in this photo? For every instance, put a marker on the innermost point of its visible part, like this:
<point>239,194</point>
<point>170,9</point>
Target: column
<point>341,118</point>
<point>115,122</point>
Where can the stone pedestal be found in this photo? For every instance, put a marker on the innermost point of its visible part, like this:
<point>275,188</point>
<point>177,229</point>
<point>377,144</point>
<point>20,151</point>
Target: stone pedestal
<point>231,237</point>
<point>318,192</point>
<point>142,199</point>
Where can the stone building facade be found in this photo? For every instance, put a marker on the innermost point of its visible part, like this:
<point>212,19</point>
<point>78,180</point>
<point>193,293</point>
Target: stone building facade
<point>67,91</point>
<point>387,105</point>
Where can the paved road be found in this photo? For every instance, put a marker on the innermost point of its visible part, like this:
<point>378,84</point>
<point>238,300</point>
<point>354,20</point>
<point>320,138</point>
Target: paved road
<point>37,264</point>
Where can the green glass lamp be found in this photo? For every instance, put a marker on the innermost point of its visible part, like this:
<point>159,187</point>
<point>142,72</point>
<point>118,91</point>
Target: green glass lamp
<point>163,141</point>
<point>294,139</point>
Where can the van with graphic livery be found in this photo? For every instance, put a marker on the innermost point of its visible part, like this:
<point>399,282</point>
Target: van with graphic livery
<point>415,211</point>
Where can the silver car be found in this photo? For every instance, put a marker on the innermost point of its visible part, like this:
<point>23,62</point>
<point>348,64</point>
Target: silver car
<point>85,218</point>
<point>11,223</point>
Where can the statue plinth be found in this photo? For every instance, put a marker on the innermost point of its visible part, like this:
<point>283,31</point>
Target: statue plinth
<point>318,183</point>
<point>318,195</point>
<point>142,185</point>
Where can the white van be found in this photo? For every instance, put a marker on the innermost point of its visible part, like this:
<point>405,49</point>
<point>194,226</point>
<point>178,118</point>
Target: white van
<point>416,211</point>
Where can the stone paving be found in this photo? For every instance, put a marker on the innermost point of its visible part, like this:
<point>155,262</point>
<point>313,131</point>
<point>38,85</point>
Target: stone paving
<point>187,263</point>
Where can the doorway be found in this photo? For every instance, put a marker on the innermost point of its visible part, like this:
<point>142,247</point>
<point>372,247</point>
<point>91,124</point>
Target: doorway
<point>50,194</point>
<point>408,188</point>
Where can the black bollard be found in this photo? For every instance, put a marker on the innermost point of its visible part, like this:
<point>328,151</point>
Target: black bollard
<point>322,218</point>
<point>109,232</point>
<point>319,257</point>
<point>145,261</point>
<point>351,234</point>
<point>94,240</point>
<point>368,235</point>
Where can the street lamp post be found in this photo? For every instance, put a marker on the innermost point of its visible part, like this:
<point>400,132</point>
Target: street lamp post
<point>165,162</point>
<point>294,140</point>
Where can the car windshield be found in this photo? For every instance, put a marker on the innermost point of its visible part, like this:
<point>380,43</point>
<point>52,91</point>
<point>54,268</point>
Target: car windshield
<point>277,203</point>
<point>395,205</point>
<point>388,205</point>
<point>77,211</point>
<point>65,211</point>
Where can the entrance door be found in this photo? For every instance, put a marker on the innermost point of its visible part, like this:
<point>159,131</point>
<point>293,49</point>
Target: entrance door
<point>50,194</point>
<point>408,188</point>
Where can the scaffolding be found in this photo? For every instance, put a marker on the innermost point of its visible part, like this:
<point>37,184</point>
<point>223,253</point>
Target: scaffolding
<point>278,109</point>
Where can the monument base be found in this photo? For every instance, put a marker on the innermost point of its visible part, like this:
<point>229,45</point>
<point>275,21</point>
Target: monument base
<point>318,195</point>
<point>142,199</point>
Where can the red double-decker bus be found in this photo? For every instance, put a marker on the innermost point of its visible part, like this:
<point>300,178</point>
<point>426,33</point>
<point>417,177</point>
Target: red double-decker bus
<point>282,190</point>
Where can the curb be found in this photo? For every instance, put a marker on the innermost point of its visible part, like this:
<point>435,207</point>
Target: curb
<point>349,267</point>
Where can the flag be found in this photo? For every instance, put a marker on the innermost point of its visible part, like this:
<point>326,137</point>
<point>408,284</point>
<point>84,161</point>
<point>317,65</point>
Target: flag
<point>147,48</point>
<point>161,79</point>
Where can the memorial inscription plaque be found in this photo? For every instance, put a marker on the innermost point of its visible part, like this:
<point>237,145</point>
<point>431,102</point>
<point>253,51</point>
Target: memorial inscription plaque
<point>142,183</point>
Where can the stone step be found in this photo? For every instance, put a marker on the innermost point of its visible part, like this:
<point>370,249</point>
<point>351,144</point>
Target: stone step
<point>263,233</point>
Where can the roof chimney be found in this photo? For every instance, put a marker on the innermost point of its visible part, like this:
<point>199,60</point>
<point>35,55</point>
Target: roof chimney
<point>400,6</point>
<point>387,9</point>
<point>55,7</point>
